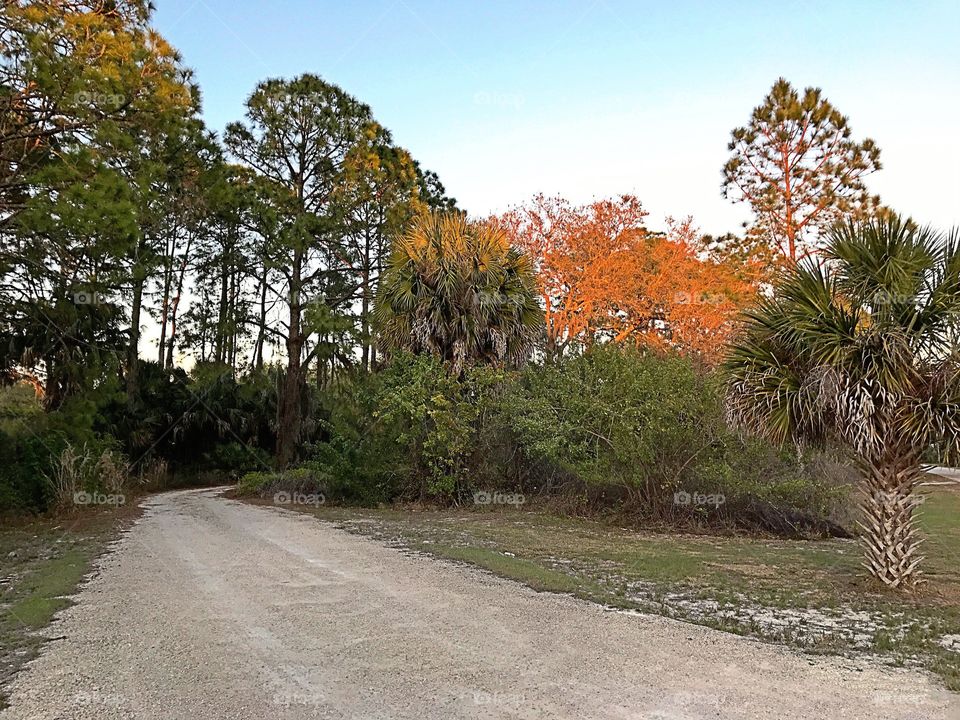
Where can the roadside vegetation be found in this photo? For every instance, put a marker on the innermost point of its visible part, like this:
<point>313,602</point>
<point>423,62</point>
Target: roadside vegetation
<point>42,564</point>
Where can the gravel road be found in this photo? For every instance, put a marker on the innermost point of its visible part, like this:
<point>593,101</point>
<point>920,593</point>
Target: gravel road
<point>210,608</point>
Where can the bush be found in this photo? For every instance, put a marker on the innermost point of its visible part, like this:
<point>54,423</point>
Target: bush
<point>289,483</point>
<point>619,418</point>
<point>626,427</point>
<point>83,473</point>
<point>409,432</point>
<point>32,447</point>
<point>612,430</point>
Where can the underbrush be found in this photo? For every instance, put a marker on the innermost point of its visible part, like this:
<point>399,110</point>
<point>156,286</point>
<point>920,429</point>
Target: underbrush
<point>205,427</point>
<point>612,432</point>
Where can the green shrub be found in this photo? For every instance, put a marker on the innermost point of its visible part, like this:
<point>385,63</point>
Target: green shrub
<point>32,447</point>
<point>253,483</point>
<point>614,429</point>
<point>298,479</point>
<point>647,432</point>
<point>408,432</point>
<point>618,417</point>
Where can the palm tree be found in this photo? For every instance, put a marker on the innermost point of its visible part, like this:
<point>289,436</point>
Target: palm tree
<point>457,289</point>
<point>862,349</point>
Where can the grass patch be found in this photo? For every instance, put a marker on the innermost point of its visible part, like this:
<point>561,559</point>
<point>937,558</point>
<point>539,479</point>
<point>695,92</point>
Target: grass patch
<point>529,573</point>
<point>45,590</point>
<point>808,594</point>
<point>42,562</point>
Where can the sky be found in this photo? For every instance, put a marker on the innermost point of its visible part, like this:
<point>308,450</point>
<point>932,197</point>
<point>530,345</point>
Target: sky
<point>598,98</point>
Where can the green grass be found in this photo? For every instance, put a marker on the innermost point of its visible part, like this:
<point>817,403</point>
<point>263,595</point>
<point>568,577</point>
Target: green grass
<point>45,590</point>
<point>41,565</point>
<point>529,573</point>
<point>775,590</point>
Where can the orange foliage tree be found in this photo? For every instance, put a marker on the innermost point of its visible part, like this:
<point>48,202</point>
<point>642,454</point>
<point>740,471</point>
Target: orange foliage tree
<point>603,276</point>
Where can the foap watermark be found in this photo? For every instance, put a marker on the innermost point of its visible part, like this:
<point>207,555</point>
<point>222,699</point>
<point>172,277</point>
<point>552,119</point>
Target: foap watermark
<point>90,297</point>
<point>298,697</point>
<point>100,99</point>
<point>895,498</point>
<point>499,99</point>
<point>884,297</point>
<point>496,698</point>
<point>482,497</point>
<point>88,698</point>
<point>698,499</point>
<point>98,498</point>
<point>295,685</point>
<point>285,97</point>
<point>298,498</point>
<point>704,298</point>
<point>899,698</point>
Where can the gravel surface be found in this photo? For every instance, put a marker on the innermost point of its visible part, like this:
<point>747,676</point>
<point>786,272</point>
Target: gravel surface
<point>210,608</point>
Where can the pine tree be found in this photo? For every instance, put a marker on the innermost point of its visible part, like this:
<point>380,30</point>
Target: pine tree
<point>797,167</point>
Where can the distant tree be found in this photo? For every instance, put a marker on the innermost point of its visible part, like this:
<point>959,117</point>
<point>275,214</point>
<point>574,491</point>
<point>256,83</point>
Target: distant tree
<point>432,191</point>
<point>603,276</point>
<point>298,135</point>
<point>195,169</point>
<point>747,256</point>
<point>797,167</point>
<point>862,349</point>
<point>160,164</point>
<point>585,259</point>
<point>381,191</point>
<point>458,290</point>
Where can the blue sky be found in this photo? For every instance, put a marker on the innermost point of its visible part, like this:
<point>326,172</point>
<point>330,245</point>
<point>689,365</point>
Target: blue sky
<point>596,98</point>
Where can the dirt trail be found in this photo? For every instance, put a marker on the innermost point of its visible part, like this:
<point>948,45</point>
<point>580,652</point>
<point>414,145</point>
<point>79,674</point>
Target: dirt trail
<point>211,609</point>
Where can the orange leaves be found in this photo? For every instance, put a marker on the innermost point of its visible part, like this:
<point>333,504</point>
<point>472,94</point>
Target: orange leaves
<point>603,276</point>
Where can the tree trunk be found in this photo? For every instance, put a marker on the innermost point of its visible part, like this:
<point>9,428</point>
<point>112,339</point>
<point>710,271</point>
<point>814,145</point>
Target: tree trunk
<point>221,337</point>
<point>234,324</point>
<point>168,259</point>
<point>365,323</point>
<point>365,303</point>
<point>133,356</point>
<point>288,431</point>
<point>288,411</point>
<point>52,396</point>
<point>175,303</point>
<point>261,323</point>
<point>889,538</point>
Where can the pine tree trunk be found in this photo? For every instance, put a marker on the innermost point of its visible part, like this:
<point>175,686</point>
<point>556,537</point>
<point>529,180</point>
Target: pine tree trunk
<point>289,420</point>
<point>170,249</point>
<point>133,349</point>
<point>365,303</point>
<point>289,417</point>
<point>889,538</point>
<point>175,304</point>
<point>261,323</point>
<point>222,316</point>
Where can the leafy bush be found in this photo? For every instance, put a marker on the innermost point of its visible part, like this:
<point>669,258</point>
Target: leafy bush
<point>33,443</point>
<point>407,432</point>
<point>617,417</point>
<point>648,431</point>
<point>612,430</point>
<point>290,482</point>
<point>435,416</point>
